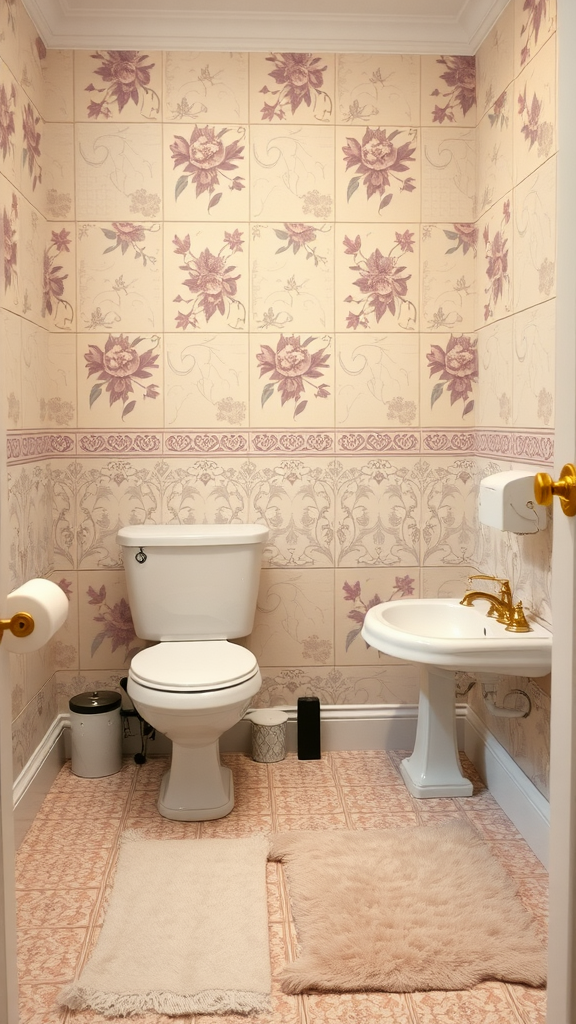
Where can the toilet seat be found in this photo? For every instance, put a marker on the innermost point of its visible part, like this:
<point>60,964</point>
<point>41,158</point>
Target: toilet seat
<point>196,666</point>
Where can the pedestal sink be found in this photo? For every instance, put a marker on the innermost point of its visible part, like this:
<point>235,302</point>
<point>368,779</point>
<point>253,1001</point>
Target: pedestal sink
<point>446,637</point>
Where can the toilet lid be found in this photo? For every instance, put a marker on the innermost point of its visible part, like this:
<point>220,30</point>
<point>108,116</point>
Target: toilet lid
<point>193,665</point>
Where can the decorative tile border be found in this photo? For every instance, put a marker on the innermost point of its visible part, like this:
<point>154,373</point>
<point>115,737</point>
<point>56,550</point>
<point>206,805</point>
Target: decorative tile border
<point>524,446</point>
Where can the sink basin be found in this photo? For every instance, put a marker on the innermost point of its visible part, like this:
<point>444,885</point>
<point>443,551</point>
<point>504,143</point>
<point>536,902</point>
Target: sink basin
<point>443,633</point>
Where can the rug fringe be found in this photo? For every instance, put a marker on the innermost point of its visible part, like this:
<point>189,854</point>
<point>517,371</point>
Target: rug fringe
<point>173,1004</point>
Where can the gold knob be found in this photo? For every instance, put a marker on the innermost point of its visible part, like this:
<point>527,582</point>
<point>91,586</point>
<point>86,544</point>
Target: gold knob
<point>565,488</point>
<point>21,624</point>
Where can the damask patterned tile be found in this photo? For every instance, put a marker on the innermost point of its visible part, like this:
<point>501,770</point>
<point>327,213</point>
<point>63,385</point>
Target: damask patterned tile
<point>535,237</point>
<point>204,490</point>
<point>357,591</point>
<point>297,774</point>
<point>488,1003</point>
<point>72,786</point>
<point>534,364</point>
<point>517,858</point>
<point>206,172</point>
<point>78,870</point>
<point>206,380</point>
<point>37,1004</point>
<point>378,175</point>
<point>533,26</point>
<point>292,87</point>
<point>346,684</point>
<point>367,820</point>
<point>247,773</point>
<point>448,95</point>
<point>236,825</point>
<point>377,380</point>
<point>291,172</point>
<point>32,724</point>
<point>118,172</point>
<point>41,908</point>
<point>217,302</point>
<point>449,497</point>
<point>495,61</point>
<point>311,820</point>
<point>448,174</point>
<point>358,767</point>
<point>153,826</point>
<point>200,87</point>
<point>117,86</point>
<point>535,115</point>
<point>120,276</point>
<point>354,1007</point>
<point>372,799</point>
<point>295,500</point>
<point>494,150</point>
<point>373,88</point>
<point>294,621</point>
<point>292,278</point>
<point>530,1003</point>
<point>326,801</point>
<point>377,277</point>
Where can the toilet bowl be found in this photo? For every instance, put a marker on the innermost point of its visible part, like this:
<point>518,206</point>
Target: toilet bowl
<point>193,589</point>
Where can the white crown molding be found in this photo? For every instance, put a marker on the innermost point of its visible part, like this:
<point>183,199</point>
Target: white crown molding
<point>62,27</point>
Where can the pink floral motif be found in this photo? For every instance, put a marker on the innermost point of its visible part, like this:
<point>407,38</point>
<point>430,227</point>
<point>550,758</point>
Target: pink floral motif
<point>293,365</point>
<point>212,283</point>
<point>300,80</point>
<point>205,158</point>
<point>533,129</point>
<point>66,587</point>
<point>299,236</point>
<point>465,235</point>
<point>537,11</point>
<point>403,587</point>
<point>127,78</point>
<point>383,283</point>
<point>379,158</point>
<point>31,152</point>
<point>460,77</point>
<point>9,243</point>
<point>458,369</point>
<point>53,302</point>
<point>117,623</point>
<point>498,115</point>
<point>122,366</point>
<point>125,236</point>
<point>7,127</point>
<point>497,263</point>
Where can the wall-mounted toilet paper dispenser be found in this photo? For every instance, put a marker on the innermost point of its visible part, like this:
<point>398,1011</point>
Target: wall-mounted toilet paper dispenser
<point>507,502</point>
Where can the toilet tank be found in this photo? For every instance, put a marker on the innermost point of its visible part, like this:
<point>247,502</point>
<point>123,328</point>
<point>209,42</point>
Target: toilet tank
<point>197,582</point>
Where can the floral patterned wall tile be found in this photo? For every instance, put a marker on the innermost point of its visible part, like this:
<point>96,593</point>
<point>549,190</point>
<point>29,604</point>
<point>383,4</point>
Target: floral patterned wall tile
<point>120,380</point>
<point>29,522</point>
<point>448,174</point>
<point>496,374</point>
<point>495,61</point>
<point>448,90</point>
<point>31,52</point>
<point>205,86</point>
<point>206,380</point>
<point>535,237</point>
<point>48,378</point>
<point>203,490</point>
<point>377,174</point>
<point>10,13</point>
<point>449,510</point>
<point>107,636</point>
<point>63,483</point>
<point>30,285</point>
<point>449,376</point>
<point>31,146</point>
<point>64,644</point>
<point>494,151</point>
<point>535,22</point>
<point>17,668</point>
<point>59,278</point>
<point>441,581</point>
<point>295,88</point>
<point>291,172</point>
<point>292,277</point>
<point>533,389</point>
<point>378,505</point>
<point>58,85</point>
<point>495,263</point>
<point>292,380</point>
<point>10,207</point>
<point>206,172</point>
<point>376,89</point>
<point>205,277</point>
<point>120,276</point>
<point>377,277</point>
<point>10,369</point>
<point>377,380</point>
<point>535,120</point>
<point>356,591</point>
<point>58,186</point>
<point>71,683</point>
<point>118,171</point>
<point>10,130</point>
<point>448,276</point>
<point>294,498</point>
<point>370,684</point>
<point>117,85</point>
<point>31,726</point>
<point>294,622</point>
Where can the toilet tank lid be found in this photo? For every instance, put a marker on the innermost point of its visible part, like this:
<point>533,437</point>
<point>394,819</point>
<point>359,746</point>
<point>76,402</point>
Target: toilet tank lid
<point>171,534</point>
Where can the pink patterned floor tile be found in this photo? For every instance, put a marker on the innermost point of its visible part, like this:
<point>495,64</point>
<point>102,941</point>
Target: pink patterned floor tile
<point>302,774</point>
<point>488,1003</point>
<point>39,908</point>
<point>69,803</point>
<point>383,819</point>
<point>534,895</point>
<point>65,869</point>
<point>358,1008</point>
<point>375,799</point>
<point>37,1004</point>
<point>157,827</point>
<point>437,816</point>
<point>49,953</point>
<point>493,825</point>
<point>309,819</point>
<point>67,779</point>
<point>148,775</point>
<point>235,826</point>
<point>372,772</point>
<point>274,884</point>
<point>531,1003</point>
<point>323,800</point>
<point>518,859</point>
<point>51,832</point>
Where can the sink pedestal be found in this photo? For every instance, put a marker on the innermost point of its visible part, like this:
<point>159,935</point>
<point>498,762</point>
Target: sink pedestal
<point>433,769</point>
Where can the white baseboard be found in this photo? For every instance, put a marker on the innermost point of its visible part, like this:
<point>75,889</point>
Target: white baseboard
<point>343,727</point>
<point>511,788</point>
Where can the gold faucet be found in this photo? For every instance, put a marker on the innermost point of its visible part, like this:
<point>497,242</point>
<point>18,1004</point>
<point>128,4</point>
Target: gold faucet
<point>502,608</point>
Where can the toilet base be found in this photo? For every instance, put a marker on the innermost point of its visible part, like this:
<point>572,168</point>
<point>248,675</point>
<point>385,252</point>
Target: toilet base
<point>196,787</point>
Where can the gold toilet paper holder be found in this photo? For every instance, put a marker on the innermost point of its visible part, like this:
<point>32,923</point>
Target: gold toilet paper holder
<point>21,624</point>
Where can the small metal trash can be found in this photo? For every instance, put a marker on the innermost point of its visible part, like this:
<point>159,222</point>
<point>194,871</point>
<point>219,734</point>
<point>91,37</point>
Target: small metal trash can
<point>96,728</point>
<point>268,735</point>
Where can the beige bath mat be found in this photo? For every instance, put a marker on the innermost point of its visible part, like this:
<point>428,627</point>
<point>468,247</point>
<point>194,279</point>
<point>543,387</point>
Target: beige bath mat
<point>185,931</point>
<point>404,910</point>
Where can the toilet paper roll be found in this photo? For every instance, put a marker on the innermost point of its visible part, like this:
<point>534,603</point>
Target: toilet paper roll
<point>48,606</point>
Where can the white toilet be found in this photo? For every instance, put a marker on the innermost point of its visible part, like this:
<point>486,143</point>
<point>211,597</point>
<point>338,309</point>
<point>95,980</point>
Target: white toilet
<point>193,588</point>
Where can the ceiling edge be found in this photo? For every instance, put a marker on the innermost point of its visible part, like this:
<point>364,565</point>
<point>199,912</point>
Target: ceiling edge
<point>264,31</point>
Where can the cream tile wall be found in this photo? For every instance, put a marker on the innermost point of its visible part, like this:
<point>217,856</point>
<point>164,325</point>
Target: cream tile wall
<point>313,291</point>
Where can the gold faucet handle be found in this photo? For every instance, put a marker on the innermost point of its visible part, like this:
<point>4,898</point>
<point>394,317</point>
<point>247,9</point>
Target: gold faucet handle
<point>505,591</point>
<point>518,622</point>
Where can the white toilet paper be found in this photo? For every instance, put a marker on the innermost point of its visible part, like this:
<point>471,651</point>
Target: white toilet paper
<point>47,603</point>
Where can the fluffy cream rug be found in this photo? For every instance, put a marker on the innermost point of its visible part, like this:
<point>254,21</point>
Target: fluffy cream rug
<point>185,931</point>
<point>404,910</point>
